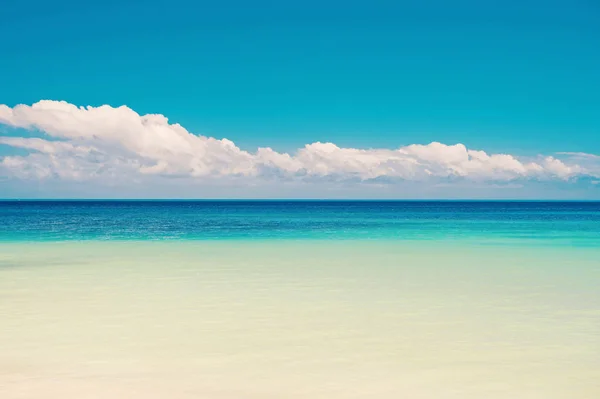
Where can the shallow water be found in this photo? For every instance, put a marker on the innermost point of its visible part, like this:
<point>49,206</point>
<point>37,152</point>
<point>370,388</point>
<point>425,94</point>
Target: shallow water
<point>312,318</point>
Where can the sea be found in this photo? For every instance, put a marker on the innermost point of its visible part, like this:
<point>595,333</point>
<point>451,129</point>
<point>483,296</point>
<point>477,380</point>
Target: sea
<point>235,299</point>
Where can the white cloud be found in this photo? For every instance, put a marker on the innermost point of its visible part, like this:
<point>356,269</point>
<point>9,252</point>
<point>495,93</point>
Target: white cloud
<point>95,143</point>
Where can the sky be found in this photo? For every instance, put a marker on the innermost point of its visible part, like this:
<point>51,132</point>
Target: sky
<point>319,99</point>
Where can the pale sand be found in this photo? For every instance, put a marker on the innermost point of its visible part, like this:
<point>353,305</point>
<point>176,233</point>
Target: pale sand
<point>298,320</point>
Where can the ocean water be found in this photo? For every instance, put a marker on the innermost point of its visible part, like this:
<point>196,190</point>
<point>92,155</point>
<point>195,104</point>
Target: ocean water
<point>308,299</point>
<point>555,223</point>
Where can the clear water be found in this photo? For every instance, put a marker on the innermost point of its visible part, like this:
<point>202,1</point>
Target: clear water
<point>336,300</point>
<point>571,223</point>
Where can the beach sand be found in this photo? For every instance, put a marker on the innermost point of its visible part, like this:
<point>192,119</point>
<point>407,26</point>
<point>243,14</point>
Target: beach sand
<point>298,319</point>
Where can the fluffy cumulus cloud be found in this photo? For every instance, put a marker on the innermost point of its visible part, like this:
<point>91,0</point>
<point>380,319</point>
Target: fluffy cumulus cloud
<point>107,144</point>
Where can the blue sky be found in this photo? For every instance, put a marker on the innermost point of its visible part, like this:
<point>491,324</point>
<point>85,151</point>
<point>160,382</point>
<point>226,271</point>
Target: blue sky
<point>517,77</point>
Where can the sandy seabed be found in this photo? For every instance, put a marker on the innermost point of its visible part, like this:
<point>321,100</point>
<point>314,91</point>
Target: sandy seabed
<point>313,319</point>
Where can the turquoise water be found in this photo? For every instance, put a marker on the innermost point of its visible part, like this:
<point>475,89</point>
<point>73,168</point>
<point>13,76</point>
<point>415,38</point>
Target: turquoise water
<point>555,223</point>
<point>306,300</point>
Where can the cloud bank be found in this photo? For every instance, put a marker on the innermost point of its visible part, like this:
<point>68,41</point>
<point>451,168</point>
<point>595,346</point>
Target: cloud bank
<point>105,144</point>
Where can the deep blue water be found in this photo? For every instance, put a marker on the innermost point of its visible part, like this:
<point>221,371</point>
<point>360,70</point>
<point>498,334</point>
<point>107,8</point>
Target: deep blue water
<point>563,223</point>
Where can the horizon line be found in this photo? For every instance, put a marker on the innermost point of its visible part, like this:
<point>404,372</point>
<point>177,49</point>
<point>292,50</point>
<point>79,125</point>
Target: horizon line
<point>296,200</point>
